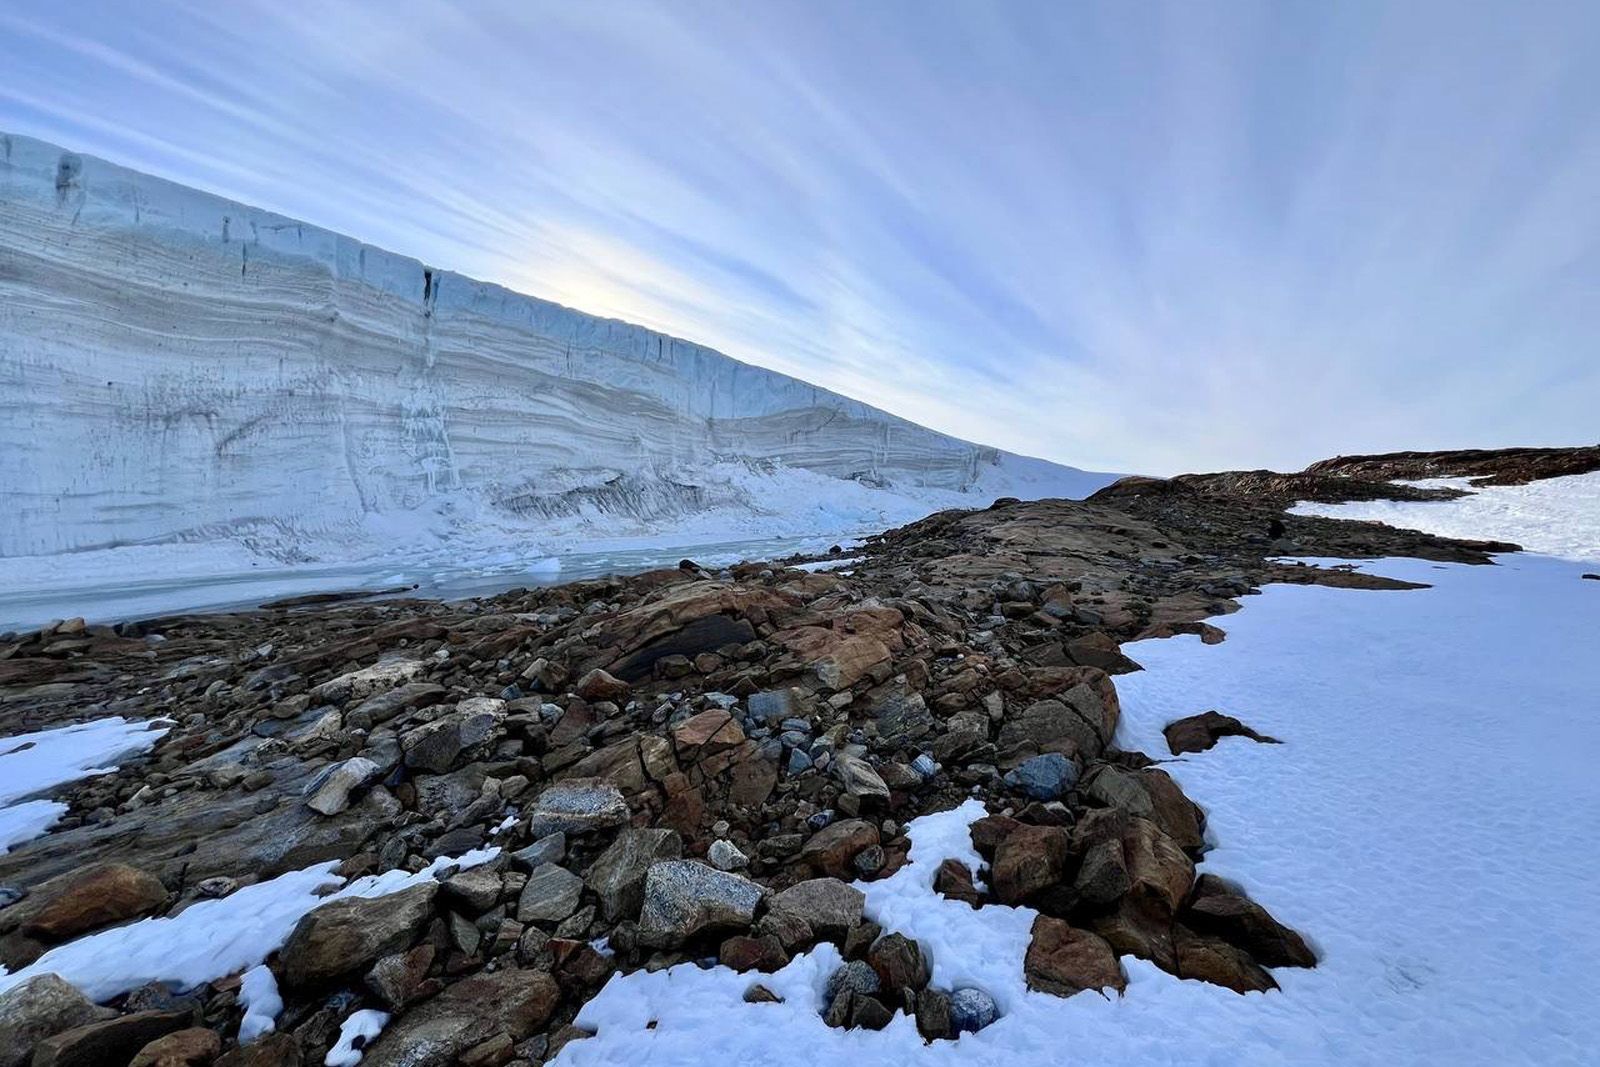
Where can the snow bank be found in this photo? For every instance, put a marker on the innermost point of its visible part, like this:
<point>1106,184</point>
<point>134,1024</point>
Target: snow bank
<point>1428,824</point>
<point>1555,516</point>
<point>214,938</point>
<point>33,763</point>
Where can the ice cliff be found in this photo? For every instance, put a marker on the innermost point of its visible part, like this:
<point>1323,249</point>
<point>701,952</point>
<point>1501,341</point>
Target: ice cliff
<point>176,367</point>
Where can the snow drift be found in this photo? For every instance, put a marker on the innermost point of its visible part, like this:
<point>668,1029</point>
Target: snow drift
<point>176,367</point>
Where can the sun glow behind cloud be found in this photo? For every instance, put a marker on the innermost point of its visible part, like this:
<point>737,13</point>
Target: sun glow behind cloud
<point>1151,236</point>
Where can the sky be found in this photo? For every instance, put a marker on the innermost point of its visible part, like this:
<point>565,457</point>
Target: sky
<point>1127,236</point>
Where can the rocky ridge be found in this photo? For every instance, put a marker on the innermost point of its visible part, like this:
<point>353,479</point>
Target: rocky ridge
<point>676,766</point>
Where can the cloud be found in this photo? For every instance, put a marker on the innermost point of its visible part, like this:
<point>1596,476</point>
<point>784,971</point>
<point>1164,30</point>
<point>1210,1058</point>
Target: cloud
<point>1157,237</point>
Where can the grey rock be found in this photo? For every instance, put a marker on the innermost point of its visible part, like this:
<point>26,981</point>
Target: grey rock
<point>683,898</point>
<point>1045,777</point>
<point>971,1010</point>
<point>857,976</point>
<point>551,894</point>
<point>333,795</point>
<point>924,766</point>
<point>353,933</point>
<point>827,906</point>
<point>576,806</point>
<point>618,876</point>
<point>551,848</point>
<point>725,856</point>
<point>41,1007</point>
<point>859,779</point>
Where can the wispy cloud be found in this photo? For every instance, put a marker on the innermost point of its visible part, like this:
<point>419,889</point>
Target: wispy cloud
<point>1152,236</point>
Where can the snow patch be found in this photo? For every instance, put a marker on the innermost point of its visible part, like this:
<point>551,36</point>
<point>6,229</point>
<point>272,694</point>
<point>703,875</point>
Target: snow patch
<point>36,762</point>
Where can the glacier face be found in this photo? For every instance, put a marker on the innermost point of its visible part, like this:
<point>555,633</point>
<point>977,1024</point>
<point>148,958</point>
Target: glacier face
<point>179,368</point>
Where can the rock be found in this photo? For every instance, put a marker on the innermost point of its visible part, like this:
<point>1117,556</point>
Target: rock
<point>1027,861</point>
<point>41,1007</point>
<point>96,896</point>
<point>477,889</point>
<point>868,1012</point>
<point>684,898</point>
<point>551,848</point>
<point>398,979</point>
<point>855,976</point>
<point>744,953</point>
<point>618,876</point>
<point>194,1047</point>
<point>352,933</point>
<point>385,706</point>
<point>437,746</point>
<point>1123,854</point>
<point>1045,777</point>
<point>109,1043</point>
<point>774,705</point>
<point>760,994</point>
<point>333,795</point>
<point>859,779</point>
<point>953,879</point>
<point>899,963</point>
<point>1219,910</point>
<point>933,1015</point>
<point>1211,959</point>
<point>577,806</point>
<point>827,906</point>
<point>1064,960</point>
<point>600,685</point>
<point>831,850</point>
<point>476,1009</point>
<point>1197,733</point>
<point>971,1010</point>
<point>1097,649</point>
<point>706,734</point>
<point>550,895</point>
<point>725,856</point>
<point>358,685</point>
<point>272,1050</point>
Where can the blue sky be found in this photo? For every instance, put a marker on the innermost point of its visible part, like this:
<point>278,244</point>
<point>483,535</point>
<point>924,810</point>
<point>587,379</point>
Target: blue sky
<point>1127,236</point>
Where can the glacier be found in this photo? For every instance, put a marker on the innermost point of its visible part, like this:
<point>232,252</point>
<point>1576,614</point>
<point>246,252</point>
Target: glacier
<point>190,387</point>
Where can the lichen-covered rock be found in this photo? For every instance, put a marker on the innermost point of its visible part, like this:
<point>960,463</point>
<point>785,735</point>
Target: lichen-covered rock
<point>685,898</point>
<point>618,876</point>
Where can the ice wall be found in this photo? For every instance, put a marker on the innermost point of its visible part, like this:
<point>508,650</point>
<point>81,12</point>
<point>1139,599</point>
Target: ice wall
<point>177,366</point>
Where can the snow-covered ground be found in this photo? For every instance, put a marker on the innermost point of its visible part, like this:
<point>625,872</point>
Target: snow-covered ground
<point>1428,824</point>
<point>1555,516</point>
<point>32,763</point>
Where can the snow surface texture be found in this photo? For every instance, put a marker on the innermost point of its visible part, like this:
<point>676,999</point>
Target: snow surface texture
<point>211,939</point>
<point>34,763</point>
<point>1555,516</point>
<point>1427,824</point>
<point>175,367</point>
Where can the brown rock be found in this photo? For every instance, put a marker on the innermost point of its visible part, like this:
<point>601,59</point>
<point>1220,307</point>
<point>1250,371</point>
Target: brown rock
<point>599,685</point>
<point>96,896</point>
<point>111,1043</point>
<point>1211,959</point>
<point>1064,960</point>
<point>743,953</point>
<point>832,848</point>
<point>1218,910</point>
<point>271,1050</point>
<point>1030,859</point>
<point>1097,649</point>
<point>1197,733</point>
<point>706,733</point>
<point>354,933</point>
<point>899,963</point>
<point>953,879</point>
<point>194,1047</point>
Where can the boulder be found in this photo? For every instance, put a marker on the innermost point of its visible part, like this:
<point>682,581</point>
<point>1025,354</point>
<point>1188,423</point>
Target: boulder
<point>41,1007</point>
<point>601,685</point>
<point>437,746</point>
<point>353,933</point>
<point>96,896</point>
<point>744,953</point>
<point>194,1047</point>
<point>859,779</point>
<point>899,963</point>
<point>705,734</point>
<point>953,880</point>
<point>933,1015</point>
<point>971,1010</point>
<point>576,806</point>
<point>1097,649</point>
<point>1198,733</point>
<point>437,1032</point>
<point>109,1043</point>
<point>827,906</point>
<point>1211,959</point>
<point>1029,860</point>
<point>1221,911</point>
<point>1064,960</point>
<point>333,795</point>
<point>726,856</point>
<point>551,894</point>
<point>831,850</point>
<point>685,898</point>
<point>1045,777</point>
<point>618,876</point>
<point>1149,793</point>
